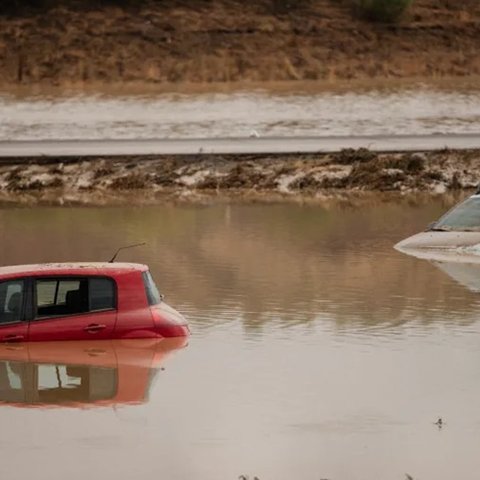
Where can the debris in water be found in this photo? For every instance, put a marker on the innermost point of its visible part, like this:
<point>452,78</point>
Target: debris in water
<point>439,423</point>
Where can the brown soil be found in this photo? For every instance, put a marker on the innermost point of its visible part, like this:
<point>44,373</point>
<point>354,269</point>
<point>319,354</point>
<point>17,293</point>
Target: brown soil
<point>291,176</point>
<point>235,41</point>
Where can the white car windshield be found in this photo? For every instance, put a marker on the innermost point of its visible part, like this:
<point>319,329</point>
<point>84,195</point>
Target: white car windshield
<point>463,218</point>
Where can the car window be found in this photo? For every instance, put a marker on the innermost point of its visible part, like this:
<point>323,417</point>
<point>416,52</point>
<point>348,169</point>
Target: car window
<point>464,217</point>
<point>11,301</point>
<point>70,296</point>
<point>151,289</point>
<point>46,291</point>
<point>66,286</point>
<point>58,297</point>
<point>101,294</point>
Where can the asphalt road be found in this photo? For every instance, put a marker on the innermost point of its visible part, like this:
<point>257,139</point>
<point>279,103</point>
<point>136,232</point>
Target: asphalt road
<point>264,145</point>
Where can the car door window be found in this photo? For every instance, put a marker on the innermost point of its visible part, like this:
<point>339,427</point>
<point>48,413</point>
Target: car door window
<point>11,301</point>
<point>59,297</point>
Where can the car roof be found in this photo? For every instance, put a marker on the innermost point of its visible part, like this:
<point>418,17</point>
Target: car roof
<point>73,268</point>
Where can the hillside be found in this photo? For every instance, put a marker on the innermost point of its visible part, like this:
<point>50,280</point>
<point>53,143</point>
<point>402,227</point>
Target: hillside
<point>233,41</point>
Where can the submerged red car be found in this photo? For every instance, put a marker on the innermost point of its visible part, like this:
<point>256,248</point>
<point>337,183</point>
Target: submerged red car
<point>83,301</point>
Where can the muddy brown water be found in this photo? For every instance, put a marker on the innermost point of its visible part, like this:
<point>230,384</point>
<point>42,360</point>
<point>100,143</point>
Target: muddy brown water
<point>317,350</point>
<point>300,111</point>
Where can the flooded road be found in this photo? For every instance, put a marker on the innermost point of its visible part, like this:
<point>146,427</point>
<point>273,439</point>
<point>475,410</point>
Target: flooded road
<point>317,350</point>
<point>299,113</point>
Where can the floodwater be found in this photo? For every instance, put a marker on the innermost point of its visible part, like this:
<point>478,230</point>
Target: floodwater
<point>414,110</point>
<point>317,350</point>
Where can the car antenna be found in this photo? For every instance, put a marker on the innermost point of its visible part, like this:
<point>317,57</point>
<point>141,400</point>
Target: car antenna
<point>124,248</point>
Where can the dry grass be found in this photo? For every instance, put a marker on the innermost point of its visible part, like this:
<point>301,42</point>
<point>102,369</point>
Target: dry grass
<point>175,41</point>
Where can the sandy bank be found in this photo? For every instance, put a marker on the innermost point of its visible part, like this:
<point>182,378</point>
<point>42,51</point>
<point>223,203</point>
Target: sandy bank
<point>174,41</point>
<point>146,179</point>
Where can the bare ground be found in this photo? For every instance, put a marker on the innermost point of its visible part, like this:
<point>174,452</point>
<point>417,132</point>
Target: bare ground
<point>151,179</point>
<point>176,41</point>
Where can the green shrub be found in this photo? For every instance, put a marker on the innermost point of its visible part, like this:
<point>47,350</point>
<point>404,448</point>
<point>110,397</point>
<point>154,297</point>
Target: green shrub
<point>382,10</point>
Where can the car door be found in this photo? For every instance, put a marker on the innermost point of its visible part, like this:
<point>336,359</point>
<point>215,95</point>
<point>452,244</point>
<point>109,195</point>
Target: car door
<point>13,300</point>
<point>73,308</point>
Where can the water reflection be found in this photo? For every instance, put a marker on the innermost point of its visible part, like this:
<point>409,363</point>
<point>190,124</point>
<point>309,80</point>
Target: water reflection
<point>466,274</point>
<point>81,374</point>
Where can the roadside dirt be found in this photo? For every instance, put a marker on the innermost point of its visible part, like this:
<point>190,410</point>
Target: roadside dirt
<point>176,41</point>
<point>147,179</point>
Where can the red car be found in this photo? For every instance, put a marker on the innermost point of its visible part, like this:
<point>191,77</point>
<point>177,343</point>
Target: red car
<point>83,301</point>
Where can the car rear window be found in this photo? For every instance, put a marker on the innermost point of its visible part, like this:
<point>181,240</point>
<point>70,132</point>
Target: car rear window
<point>69,296</point>
<point>153,295</point>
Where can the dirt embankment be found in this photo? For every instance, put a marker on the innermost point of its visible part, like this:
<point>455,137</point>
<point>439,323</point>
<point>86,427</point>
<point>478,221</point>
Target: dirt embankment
<point>98,180</point>
<point>234,41</point>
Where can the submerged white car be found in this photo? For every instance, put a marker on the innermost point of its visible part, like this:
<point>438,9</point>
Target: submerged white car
<point>458,228</point>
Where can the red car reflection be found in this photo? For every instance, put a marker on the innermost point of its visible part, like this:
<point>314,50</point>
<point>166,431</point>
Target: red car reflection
<point>83,301</point>
<point>81,374</point>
